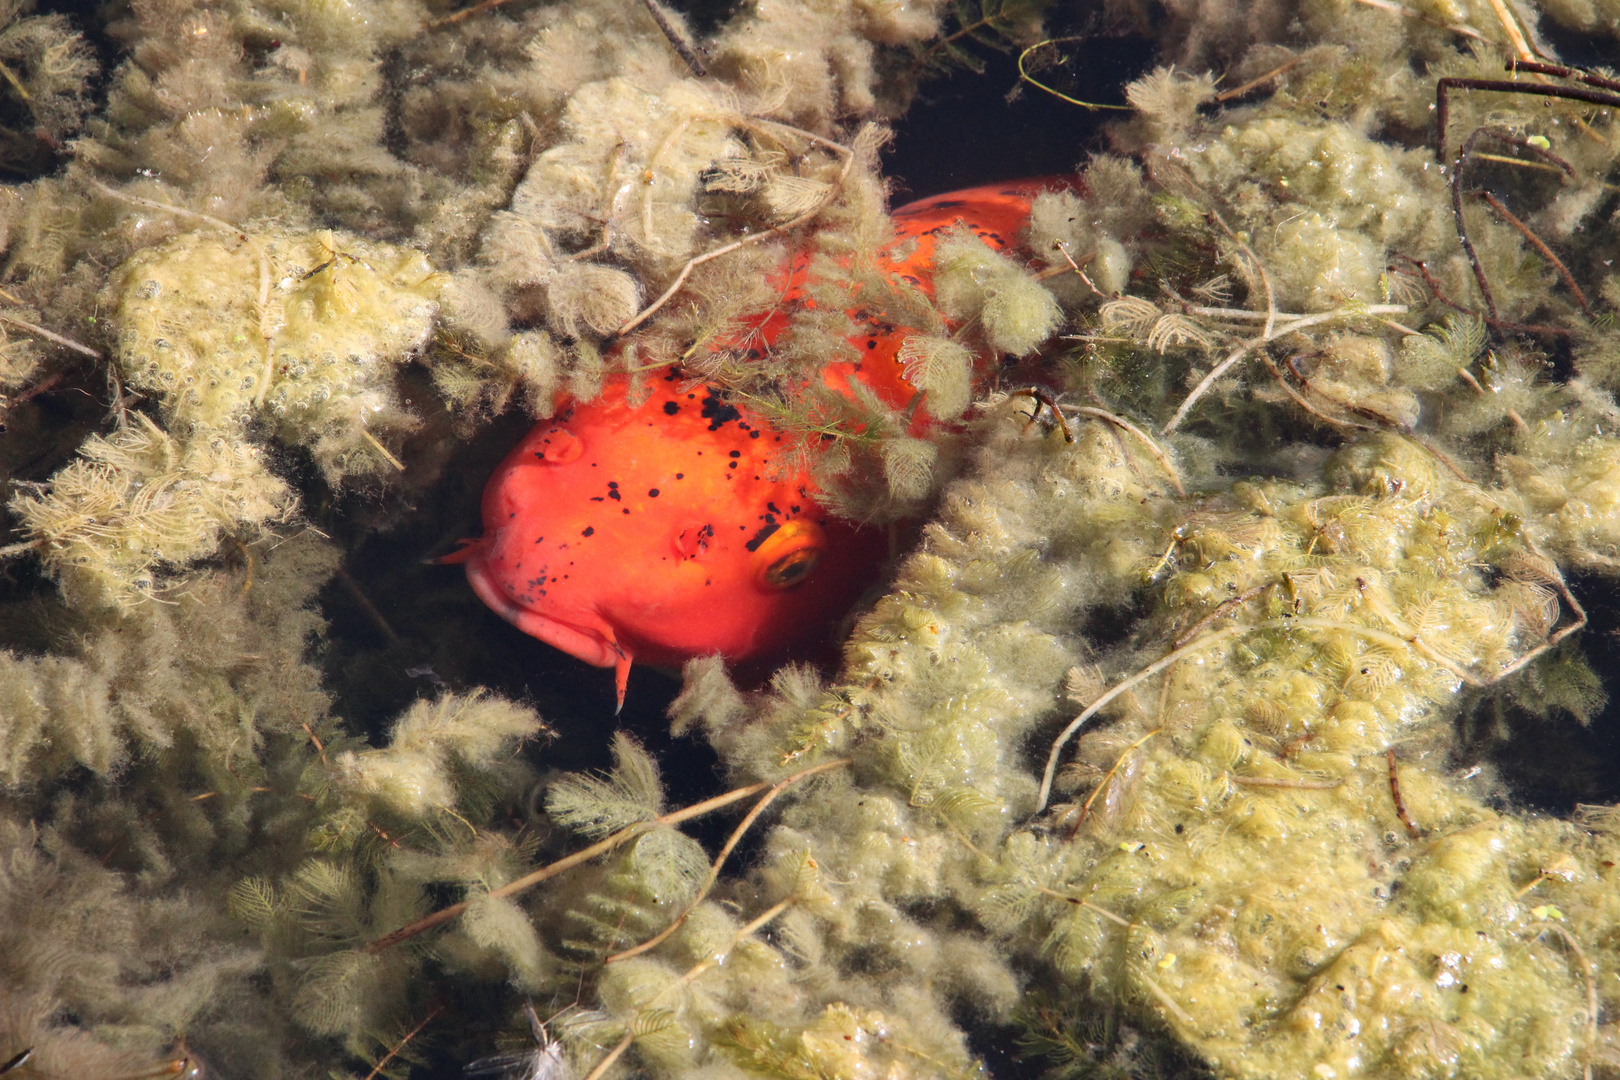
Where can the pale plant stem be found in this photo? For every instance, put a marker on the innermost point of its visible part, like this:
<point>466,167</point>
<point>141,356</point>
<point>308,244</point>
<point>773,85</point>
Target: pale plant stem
<point>1245,348</point>
<point>845,152</point>
<point>48,335</point>
<point>1154,448</point>
<point>551,870</point>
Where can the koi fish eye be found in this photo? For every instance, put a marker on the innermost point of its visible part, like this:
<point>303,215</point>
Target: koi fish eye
<point>788,555</point>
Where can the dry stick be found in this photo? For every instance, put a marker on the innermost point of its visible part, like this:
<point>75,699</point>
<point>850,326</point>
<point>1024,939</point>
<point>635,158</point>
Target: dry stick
<point>381,449</point>
<point>394,1051</point>
<point>725,852</point>
<point>48,335</point>
<point>1147,440</point>
<point>1463,154</point>
<point>1285,782</point>
<point>677,40</point>
<point>1108,777</point>
<point>551,870</point>
<point>1220,609</point>
<point>1521,48</point>
<point>1546,252</point>
<point>1091,710</point>
<point>465,13</point>
<point>651,173</point>
<point>692,973</point>
<point>1299,399</point>
<point>725,249</point>
<point>1181,1015</point>
<point>1044,890</point>
<point>1400,804</point>
<point>1280,331</point>
<point>1553,639</point>
<point>1041,397</point>
<point>366,606</point>
<point>1239,91</point>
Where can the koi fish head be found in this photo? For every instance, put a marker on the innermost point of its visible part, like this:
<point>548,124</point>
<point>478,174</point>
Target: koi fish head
<point>656,532</point>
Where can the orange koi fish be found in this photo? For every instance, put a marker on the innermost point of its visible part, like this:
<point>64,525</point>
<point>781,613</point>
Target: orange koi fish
<point>656,532</point>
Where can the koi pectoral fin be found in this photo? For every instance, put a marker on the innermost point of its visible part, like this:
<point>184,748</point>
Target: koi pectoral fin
<point>621,678</point>
<point>470,546</point>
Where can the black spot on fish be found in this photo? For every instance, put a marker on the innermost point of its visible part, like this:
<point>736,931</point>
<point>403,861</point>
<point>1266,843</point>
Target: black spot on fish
<point>589,530</point>
<point>671,408</point>
<point>680,476</point>
<point>719,412</point>
<point>731,465</point>
<point>755,435</point>
<point>735,454</point>
<point>761,536</point>
<point>652,493</point>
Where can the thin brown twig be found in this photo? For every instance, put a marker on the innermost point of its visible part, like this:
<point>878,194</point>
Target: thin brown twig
<point>1108,777</point>
<point>551,870</point>
<point>725,852</point>
<point>1041,397</point>
<point>1406,638</point>
<point>676,39</point>
<point>1400,804</point>
<point>1299,399</point>
<point>725,249</point>
<point>1154,449</point>
<point>465,13</point>
<point>28,394</point>
<point>1546,252</point>
<point>1220,609</point>
<point>1239,91</point>
<point>50,335</point>
<point>366,606</point>
<point>1246,347</point>
<point>394,1051</point>
<point>1406,12</point>
<point>1259,268</point>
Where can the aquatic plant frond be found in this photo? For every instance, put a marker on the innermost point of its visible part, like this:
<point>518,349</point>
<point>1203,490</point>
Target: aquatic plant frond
<point>600,805</point>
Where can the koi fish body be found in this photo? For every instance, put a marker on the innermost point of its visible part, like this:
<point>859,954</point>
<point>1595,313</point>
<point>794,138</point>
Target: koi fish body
<point>657,532</point>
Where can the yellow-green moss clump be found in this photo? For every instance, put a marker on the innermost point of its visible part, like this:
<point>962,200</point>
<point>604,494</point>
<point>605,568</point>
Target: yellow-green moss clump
<point>302,329</point>
<point>1261,848</point>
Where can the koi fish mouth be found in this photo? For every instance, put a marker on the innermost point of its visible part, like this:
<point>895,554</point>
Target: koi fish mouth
<point>597,646</point>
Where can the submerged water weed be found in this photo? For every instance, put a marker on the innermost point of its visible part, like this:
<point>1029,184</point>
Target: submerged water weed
<point>1309,514</point>
<point>300,331</point>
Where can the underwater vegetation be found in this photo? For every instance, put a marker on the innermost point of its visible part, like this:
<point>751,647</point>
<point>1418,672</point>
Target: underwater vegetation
<point>1179,742</point>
